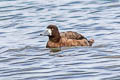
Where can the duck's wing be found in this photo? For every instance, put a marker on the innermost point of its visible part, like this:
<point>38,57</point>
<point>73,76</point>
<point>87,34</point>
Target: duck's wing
<point>76,36</point>
<point>72,35</point>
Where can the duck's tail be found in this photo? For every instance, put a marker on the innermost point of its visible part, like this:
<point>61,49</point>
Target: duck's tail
<point>91,41</point>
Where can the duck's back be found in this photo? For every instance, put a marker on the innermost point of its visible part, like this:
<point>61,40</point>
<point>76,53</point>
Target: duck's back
<point>72,35</point>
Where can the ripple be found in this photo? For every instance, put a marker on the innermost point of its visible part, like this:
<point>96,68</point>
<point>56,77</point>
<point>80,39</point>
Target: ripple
<point>23,55</point>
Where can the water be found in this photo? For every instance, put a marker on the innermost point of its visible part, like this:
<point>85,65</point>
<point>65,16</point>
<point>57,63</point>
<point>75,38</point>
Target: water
<point>23,55</point>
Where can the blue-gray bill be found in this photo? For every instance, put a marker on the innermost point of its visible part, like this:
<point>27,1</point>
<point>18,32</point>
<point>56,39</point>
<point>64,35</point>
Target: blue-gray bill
<point>46,33</point>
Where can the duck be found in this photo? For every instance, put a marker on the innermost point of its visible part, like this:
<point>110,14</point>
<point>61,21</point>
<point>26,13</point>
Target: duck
<point>65,39</point>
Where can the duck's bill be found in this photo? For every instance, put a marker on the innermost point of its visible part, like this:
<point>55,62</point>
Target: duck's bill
<point>48,32</point>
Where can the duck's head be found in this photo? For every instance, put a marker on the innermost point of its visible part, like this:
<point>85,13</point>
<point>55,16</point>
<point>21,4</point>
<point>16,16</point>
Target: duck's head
<point>52,32</point>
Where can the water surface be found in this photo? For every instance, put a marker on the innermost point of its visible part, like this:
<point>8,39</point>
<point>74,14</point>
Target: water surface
<point>23,55</point>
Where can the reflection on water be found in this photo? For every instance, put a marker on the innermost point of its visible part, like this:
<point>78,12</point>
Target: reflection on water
<point>23,55</point>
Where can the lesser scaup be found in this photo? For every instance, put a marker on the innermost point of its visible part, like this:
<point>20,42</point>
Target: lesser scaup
<point>65,39</point>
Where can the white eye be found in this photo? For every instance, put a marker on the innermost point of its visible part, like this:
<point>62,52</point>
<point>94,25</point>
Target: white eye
<point>49,31</point>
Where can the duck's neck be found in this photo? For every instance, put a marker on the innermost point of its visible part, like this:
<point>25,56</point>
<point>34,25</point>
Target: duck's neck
<point>55,38</point>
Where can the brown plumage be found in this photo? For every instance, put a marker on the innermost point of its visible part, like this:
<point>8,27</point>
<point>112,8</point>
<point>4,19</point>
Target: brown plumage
<point>65,39</point>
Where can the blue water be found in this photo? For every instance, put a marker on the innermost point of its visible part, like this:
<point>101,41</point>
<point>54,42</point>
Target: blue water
<point>23,55</point>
